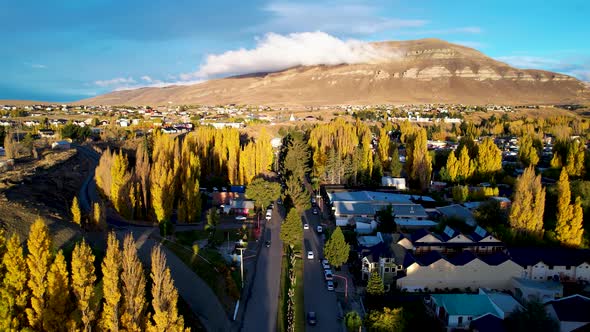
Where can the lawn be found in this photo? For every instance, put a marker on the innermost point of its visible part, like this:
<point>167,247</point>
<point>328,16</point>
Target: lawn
<point>284,288</point>
<point>212,268</point>
<point>187,238</point>
<point>299,304</point>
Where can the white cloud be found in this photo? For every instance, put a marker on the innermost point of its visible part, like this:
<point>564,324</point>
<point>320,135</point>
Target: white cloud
<point>332,17</point>
<point>147,78</point>
<point>38,66</point>
<point>277,52</point>
<point>115,82</point>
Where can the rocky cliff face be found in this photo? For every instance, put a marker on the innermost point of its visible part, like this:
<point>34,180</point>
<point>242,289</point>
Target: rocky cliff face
<point>420,71</point>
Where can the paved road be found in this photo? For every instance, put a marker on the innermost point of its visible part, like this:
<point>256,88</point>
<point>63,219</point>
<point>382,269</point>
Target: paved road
<point>262,306</point>
<point>316,295</point>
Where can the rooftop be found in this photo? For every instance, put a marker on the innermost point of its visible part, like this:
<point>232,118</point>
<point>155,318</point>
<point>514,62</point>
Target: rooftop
<point>465,304</point>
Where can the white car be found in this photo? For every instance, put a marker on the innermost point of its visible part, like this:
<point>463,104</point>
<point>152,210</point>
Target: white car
<point>306,226</point>
<point>328,275</point>
<point>241,218</point>
<point>325,264</point>
<point>320,229</point>
<point>310,255</point>
<point>330,285</point>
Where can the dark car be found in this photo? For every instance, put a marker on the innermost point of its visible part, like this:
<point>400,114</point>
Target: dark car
<point>267,244</point>
<point>311,318</point>
<point>315,211</point>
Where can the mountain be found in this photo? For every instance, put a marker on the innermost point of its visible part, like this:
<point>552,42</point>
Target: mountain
<point>417,71</point>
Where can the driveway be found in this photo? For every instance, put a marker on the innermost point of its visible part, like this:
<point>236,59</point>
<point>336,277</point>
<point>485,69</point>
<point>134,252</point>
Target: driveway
<point>316,295</point>
<point>261,306</point>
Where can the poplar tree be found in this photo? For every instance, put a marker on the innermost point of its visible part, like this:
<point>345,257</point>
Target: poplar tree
<point>489,158</point>
<point>58,306</point>
<point>568,227</point>
<point>162,176</point>
<point>14,293</point>
<point>450,171</point>
<point>99,216</point>
<point>133,282</point>
<point>395,166</point>
<point>76,213</point>
<point>111,285</point>
<point>527,153</point>
<point>120,178</point>
<point>336,249</point>
<point>142,173</point>
<point>528,206</point>
<point>164,296</point>
<point>420,162</point>
<point>10,146</point>
<point>83,279</point>
<point>466,166</point>
<point>574,163</point>
<point>383,147</point>
<point>38,262</point>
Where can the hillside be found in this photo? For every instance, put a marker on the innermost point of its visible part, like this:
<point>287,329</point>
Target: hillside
<point>418,71</point>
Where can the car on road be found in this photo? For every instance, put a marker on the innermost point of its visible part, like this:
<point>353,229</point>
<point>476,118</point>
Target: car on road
<point>280,201</point>
<point>267,244</point>
<point>315,211</point>
<point>306,226</point>
<point>215,189</point>
<point>330,285</point>
<point>325,264</point>
<point>241,218</point>
<point>310,255</point>
<point>268,214</point>
<point>328,275</point>
<point>312,318</point>
<point>320,229</point>
<point>271,206</point>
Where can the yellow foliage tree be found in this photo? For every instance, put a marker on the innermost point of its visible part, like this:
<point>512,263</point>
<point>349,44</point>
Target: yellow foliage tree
<point>58,306</point>
<point>76,213</point>
<point>14,293</point>
<point>120,177</point>
<point>38,262</point>
<point>83,279</point>
<point>568,228</point>
<point>489,158</point>
<point>164,296</point>
<point>111,285</point>
<point>162,177</point>
<point>133,282</point>
<point>526,212</point>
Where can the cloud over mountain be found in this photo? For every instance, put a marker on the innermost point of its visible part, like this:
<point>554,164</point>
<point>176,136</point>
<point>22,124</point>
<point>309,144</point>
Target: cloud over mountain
<point>275,52</point>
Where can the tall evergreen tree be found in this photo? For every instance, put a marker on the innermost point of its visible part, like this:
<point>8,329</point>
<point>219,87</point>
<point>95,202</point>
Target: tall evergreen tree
<point>336,249</point>
<point>133,282</point>
<point>528,206</point>
<point>292,229</point>
<point>164,296</point>
<point>83,279</point>
<point>38,262</point>
<point>14,292</point>
<point>375,285</point>
<point>111,285</point>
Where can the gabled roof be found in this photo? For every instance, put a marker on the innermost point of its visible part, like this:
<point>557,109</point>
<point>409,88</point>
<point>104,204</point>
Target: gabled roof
<point>488,323</point>
<point>574,308</point>
<point>459,211</point>
<point>463,258</point>
<point>429,258</point>
<point>465,304</point>
<point>550,256</point>
<point>495,258</point>
<point>421,233</point>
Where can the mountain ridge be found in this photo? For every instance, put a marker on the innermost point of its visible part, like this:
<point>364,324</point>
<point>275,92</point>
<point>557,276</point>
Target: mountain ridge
<point>416,71</point>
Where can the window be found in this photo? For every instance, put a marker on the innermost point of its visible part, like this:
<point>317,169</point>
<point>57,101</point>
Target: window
<point>386,270</point>
<point>568,267</point>
<point>550,267</point>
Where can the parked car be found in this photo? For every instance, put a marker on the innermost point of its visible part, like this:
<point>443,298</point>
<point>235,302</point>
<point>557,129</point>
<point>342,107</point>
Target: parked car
<point>315,211</point>
<point>241,218</point>
<point>267,244</point>
<point>325,264</point>
<point>311,318</point>
<point>280,201</point>
<point>328,275</point>
<point>268,214</point>
<point>330,285</point>
<point>306,226</point>
<point>320,229</point>
<point>271,206</point>
<point>310,255</point>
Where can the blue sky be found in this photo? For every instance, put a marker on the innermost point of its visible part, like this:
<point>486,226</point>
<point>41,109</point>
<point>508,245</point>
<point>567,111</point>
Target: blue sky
<point>66,50</point>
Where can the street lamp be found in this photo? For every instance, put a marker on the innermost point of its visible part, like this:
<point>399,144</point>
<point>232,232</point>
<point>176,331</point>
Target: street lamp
<point>345,286</point>
<point>242,264</point>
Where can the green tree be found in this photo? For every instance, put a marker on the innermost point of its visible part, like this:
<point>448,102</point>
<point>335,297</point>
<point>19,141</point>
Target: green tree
<point>528,206</point>
<point>395,166</point>
<point>375,285</point>
<point>387,320</point>
<point>450,171</point>
<point>297,157</point>
<point>532,317</point>
<point>460,193</point>
<point>292,230</point>
<point>386,219</point>
<point>263,192</point>
<point>298,194</point>
<point>353,321</point>
<point>336,249</point>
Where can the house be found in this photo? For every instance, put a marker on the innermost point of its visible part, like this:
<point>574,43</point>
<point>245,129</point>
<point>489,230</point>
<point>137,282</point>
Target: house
<point>364,225</point>
<point>533,290</point>
<point>378,255</point>
<point>397,183</point>
<point>572,312</point>
<point>457,211</point>
<point>465,270</point>
<point>46,133</point>
<point>240,206</point>
<point>459,310</point>
<point>558,264</point>
<point>414,224</point>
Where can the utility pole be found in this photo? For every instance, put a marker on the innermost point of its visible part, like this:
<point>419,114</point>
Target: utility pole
<point>242,264</point>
